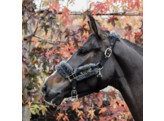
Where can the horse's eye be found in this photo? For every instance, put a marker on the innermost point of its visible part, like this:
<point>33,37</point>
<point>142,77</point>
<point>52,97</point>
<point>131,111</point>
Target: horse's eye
<point>82,51</point>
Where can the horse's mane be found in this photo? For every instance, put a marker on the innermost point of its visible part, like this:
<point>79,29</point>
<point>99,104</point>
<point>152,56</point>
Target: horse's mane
<point>136,47</point>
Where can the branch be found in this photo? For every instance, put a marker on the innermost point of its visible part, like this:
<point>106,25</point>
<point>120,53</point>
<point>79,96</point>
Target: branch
<point>26,38</point>
<point>33,33</point>
<point>122,14</point>
<point>107,14</point>
<point>99,14</point>
<point>44,40</point>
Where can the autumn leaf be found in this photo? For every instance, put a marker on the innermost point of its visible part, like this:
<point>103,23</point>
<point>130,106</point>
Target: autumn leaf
<point>29,104</point>
<point>103,111</point>
<point>102,118</point>
<point>34,61</point>
<point>112,20</point>
<point>65,118</point>
<point>60,116</point>
<point>43,109</point>
<point>38,97</point>
<point>80,114</point>
<point>91,113</point>
<point>100,102</point>
<point>55,5</point>
<point>75,105</point>
<point>81,119</point>
<point>114,106</point>
<point>34,39</point>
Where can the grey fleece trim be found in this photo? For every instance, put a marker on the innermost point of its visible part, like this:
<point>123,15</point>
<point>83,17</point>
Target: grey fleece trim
<point>85,67</point>
<point>87,75</point>
<point>114,34</point>
<point>64,69</point>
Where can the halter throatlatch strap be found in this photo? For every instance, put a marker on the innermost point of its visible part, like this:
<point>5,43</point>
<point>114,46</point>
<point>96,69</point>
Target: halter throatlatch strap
<point>88,70</point>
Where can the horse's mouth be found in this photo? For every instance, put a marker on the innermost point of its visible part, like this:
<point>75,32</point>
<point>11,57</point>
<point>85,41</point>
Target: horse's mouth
<point>55,101</point>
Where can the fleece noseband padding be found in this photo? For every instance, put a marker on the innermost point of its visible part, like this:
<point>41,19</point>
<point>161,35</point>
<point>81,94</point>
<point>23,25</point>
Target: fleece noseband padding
<point>80,73</point>
<point>64,69</point>
<point>93,71</point>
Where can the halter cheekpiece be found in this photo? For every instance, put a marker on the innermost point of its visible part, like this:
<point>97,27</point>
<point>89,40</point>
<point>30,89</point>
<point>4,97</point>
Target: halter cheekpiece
<point>88,70</point>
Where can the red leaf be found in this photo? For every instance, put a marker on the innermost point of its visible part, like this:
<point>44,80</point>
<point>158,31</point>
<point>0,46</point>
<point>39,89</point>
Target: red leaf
<point>55,5</point>
<point>102,111</point>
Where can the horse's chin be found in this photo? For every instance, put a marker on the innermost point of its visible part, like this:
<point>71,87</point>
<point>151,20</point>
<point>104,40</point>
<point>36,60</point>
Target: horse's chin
<point>57,100</point>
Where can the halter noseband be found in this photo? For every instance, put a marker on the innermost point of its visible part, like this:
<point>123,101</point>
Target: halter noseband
<point>88,70</point>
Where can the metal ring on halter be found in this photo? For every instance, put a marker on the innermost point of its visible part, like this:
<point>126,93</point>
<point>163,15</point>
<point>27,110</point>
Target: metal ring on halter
<point>76,96</point>
<point>106,52</point>
<point>99,66</point>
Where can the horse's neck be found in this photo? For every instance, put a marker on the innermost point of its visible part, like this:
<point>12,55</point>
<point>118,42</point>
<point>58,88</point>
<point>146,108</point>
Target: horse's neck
<point>130,85</point>
<point>129,59</point>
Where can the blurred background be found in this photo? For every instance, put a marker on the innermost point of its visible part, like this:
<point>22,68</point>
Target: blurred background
<point>52,30</point>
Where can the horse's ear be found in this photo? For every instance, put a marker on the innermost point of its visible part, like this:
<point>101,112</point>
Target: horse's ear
<point>95,27</point>
<point>89,23</point>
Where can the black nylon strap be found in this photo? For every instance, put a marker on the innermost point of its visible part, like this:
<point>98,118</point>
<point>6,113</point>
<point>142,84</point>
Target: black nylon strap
<point>113,41</point>
<point>111,46</point>
<point>103,60</point>
<point>99,80</point>
<point>74,84</point>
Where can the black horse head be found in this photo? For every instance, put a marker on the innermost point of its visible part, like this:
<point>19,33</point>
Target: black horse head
<point>57,87</point>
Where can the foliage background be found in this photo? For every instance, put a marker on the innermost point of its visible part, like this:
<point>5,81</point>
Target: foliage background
<point>54,34</point>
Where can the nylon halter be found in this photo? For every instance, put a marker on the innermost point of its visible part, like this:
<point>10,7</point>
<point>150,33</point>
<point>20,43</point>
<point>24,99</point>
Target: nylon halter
<point>88,70</point>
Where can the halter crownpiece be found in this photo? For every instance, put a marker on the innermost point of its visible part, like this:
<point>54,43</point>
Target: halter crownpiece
<point>88,70</point>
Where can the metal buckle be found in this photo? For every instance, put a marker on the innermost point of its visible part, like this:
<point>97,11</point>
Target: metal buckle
<point>70,80</point>
<point>74,97</point>
<point>70,77</point>
<point>106,52</point>
<point>99,73</point>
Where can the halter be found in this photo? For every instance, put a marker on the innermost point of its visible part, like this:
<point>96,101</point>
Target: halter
<point>88,70</point>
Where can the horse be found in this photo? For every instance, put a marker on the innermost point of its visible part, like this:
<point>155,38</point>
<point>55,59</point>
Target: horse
<point>104,59</point>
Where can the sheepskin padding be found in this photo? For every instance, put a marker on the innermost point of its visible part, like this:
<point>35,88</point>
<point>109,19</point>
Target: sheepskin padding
<point>85,67</point>
<point>64,69</point>
<point>114,34</point>
<point>87,75</point>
